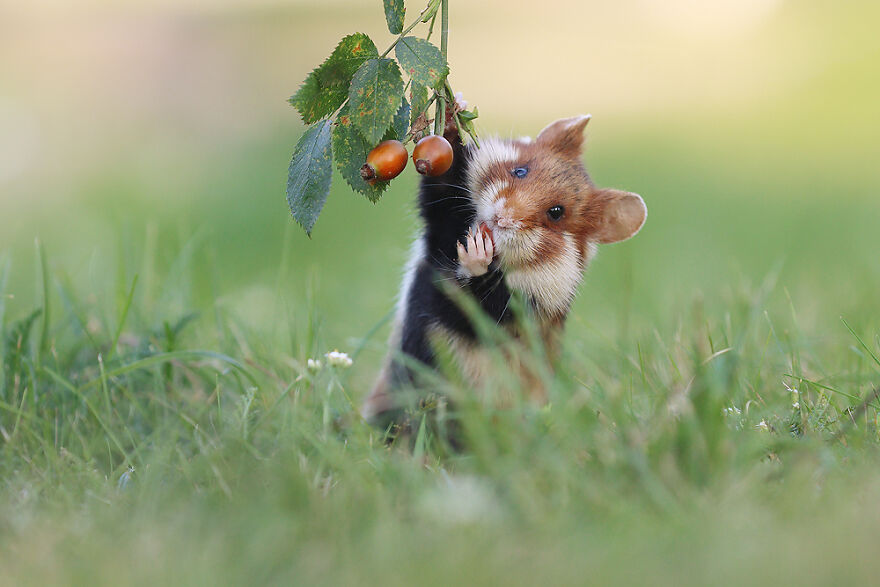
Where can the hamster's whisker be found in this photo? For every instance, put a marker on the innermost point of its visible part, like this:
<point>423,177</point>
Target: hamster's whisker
<point>454,185</point>
<point>446,263</point>
<point>504,311</point>
<point>444,199</point>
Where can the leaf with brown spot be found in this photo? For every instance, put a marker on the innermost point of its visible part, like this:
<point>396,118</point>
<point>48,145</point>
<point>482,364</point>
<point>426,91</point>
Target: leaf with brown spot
<point>326,88</point>
<point>395,12</point>
<point>350,150</point>
<point>422,61</point>
<point>374,97</point>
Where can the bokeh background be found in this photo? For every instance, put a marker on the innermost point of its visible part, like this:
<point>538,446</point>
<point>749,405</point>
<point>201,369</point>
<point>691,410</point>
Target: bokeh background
<point>151,138</point>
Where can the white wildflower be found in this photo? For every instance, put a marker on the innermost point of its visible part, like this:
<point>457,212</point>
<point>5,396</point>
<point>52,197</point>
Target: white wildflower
<point>338,359</point>
<point>732,411</point>
<point>313,365</point>
<point>763,426</point>
<point>795,396</point>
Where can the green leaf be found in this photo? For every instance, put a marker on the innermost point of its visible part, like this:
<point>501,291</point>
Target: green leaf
<point>350,150</point>
<point>430,10</point>
<point>420,97</point>
<point>394,13</point>
<point>326,88</point>
<point>468,115</point>
<point>374,96</point>
<point>308,179</point>
<point>422,61</point>
<point>400,124</point>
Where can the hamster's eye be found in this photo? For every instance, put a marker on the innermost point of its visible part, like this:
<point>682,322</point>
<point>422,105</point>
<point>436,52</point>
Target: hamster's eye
<point>556,212</point>
<point>520,172</point>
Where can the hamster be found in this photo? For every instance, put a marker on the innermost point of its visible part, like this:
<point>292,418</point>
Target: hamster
<point>510,216</point>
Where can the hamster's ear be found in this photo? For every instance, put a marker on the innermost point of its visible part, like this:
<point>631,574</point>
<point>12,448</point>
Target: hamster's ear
<point>617,215</point>
<point>566,135</point>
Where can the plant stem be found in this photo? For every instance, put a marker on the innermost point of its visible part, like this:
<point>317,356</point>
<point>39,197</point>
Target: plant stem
<point>404,33</point>
<point>444,25</point>
<point>440,121</point>
<point>431,27</point>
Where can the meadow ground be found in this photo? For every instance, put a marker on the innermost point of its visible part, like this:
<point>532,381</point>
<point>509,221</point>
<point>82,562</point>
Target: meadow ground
<point>713,419</point>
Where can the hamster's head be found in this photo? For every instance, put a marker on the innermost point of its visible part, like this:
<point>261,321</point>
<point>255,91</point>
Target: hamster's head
<point>540,203</point>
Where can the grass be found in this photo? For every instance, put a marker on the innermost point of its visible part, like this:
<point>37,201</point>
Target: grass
<point>150,437</point>
<point>158,424</point>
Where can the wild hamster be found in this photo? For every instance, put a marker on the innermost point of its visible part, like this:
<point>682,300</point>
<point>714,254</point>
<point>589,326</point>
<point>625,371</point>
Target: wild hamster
<point>509,216</point>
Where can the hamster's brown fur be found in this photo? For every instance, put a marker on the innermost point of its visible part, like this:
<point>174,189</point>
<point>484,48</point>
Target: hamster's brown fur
<point>507,236</point>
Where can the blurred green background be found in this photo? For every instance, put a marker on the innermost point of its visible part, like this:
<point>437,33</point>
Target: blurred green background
<point>149,140</point>
<point>132,131</point>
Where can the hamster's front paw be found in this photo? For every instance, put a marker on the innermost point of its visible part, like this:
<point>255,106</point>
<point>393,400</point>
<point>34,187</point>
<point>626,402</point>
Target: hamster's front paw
<point>475,255</point>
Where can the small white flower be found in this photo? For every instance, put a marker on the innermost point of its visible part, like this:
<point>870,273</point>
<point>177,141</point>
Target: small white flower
<point>795,396</point>
<point>338,359</point>
<point>732,411</point>
<point>763,425</point>
<point>313,365</point>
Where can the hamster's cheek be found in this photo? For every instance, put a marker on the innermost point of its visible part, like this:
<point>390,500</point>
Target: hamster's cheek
<point>550,241</point>
<point>516,247</point>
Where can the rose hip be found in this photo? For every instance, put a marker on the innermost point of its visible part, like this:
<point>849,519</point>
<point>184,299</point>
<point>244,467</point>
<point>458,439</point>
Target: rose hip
<point>432,156</point>
<point>384,162</point>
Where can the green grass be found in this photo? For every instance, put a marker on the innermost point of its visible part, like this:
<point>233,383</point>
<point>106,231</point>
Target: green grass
<point>158,424</point>
<point>152,432</point>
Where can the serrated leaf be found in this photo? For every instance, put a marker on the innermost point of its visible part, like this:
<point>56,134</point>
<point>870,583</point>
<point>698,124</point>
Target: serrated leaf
<point>422,61</point>
<point>400,124</point>
<point>309,175</point>
<point>394,14</point>
<point>374,96</point>
<point>419,97</point>
<point>350,150</point>
<point>326,88</point>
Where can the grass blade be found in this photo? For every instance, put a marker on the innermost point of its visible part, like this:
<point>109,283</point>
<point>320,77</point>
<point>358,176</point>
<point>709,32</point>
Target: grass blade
<point>161,358</point>
<point>123,318</point>
<point>43,345</point>
<point>861,342</point>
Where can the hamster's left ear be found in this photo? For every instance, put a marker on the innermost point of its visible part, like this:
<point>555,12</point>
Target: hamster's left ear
<point>565,136</point>
<point>616,215</point>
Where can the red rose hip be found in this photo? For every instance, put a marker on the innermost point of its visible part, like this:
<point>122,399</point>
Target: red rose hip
<point>384,162</point>
<point>432,156</point>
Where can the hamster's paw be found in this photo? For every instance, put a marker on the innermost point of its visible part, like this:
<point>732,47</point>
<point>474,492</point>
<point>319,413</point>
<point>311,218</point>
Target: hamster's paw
<point>475,256</point>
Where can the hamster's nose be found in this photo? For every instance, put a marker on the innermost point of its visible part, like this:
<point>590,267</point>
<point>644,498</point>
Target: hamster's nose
<point>504,222</point>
